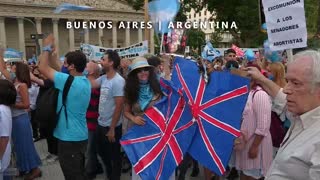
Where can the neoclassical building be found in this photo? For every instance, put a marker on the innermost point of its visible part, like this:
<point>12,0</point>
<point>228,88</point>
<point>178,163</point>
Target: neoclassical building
<point>21,18</point>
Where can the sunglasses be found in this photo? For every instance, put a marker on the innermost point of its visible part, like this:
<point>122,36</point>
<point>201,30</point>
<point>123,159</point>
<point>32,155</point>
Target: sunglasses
<point>142,69</point>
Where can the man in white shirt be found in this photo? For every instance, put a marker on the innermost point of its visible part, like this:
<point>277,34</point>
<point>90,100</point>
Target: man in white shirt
<point>299,155</point>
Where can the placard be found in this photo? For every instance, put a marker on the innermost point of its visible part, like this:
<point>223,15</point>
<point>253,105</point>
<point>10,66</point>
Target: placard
<point>286,24</point>
<point>96,52</point>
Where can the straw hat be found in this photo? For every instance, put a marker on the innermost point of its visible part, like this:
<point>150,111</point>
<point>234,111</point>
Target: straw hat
<point>139,62</point>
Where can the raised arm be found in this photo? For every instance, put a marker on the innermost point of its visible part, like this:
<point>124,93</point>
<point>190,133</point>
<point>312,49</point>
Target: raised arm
<point>44,68</point>
<point>269,86</point>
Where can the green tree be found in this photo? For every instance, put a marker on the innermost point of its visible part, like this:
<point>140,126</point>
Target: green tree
<point>216,37</point>
<point>245,13</point>
<point>196,39</point>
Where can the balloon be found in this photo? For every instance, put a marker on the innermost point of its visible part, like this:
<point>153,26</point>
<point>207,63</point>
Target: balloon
<point>264,26</point>
<point>272,56</point>
<point>250,56</point>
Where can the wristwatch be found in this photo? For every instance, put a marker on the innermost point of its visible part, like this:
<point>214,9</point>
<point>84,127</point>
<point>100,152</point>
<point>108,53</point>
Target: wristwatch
<point>47,48</point>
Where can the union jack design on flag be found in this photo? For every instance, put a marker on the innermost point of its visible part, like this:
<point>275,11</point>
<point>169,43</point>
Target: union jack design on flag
<point>156,148</point>
<point>217,110</point>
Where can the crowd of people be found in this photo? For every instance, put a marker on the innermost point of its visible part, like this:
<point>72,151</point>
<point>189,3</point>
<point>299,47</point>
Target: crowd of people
<point>97,102</point>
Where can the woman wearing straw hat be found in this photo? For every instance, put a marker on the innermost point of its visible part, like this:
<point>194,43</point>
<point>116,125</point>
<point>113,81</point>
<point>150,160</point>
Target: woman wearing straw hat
<point>142,90</point>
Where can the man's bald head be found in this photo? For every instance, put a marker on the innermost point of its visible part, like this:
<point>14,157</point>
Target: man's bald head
<point>93,69</point>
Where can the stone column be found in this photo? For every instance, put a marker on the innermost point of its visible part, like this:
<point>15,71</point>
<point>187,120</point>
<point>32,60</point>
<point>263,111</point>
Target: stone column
<point>151,45</point>
<point>3,37</point>
<point>114,34</point>
<point>22,46</point>
<point>139,34</point>
<point>127,37</point>
<point>86,33</point>
<point>71,37</point>
<point>39,30</point>
<point>56,33</point>
<point>100,37</point>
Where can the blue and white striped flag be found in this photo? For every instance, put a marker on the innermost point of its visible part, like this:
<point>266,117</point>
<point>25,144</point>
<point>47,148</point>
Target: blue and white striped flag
<point>12,53</point>
<point>70,7</point>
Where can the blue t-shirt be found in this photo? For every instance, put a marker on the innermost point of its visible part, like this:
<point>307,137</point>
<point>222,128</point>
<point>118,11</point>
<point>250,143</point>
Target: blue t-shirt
<point>77,103</point>
<point>109,89</point>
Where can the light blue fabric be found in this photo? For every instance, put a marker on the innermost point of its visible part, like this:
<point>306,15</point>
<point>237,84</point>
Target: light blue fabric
<point>70,7</point>
<point>209,52</point>
<point>77,103</point>
<point>145,95</point>
<point>138,65</point>
<point>27,157</point>
<point>109,89</point>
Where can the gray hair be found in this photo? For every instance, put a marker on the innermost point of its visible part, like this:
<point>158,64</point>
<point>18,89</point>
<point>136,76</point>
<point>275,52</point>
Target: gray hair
<point>315,57</point>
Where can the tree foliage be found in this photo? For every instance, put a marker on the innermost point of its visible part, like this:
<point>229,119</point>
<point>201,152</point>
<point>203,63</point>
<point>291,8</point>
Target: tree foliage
<point>196,39</point>
<point>245,13</point>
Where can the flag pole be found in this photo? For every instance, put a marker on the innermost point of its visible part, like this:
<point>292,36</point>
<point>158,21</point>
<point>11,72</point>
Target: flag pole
<point>146,19</point>
<point>161,43</point>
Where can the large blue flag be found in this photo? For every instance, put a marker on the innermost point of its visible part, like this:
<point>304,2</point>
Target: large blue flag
<point>70,7</point>
<point>156,148</point>
<point>209,52</point>
<point>12,55</point>
<point>217,110</point>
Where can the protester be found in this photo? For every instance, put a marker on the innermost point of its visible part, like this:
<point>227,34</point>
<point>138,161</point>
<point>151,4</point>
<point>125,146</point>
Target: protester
<point>142,90</point>
<point>255,158</point>
<point>300,100</point>
<point>45,132</point>
<point>93,167</point>
<point>7,98</point>
<point>230,55</point>
<point>218,64</point>
<point>276,73</point>
<point>71,130</point>
<point>28,160</point>
<point>109,130</point>
<point>33,94</point>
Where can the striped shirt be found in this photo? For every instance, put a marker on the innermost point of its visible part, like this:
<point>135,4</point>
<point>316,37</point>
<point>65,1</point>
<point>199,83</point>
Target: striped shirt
<point>92,112</point>
<point>256,121</point>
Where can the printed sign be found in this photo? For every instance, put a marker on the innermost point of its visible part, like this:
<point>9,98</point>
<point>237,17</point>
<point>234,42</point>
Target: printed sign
<point>286,24</point>
<point>96,52</point>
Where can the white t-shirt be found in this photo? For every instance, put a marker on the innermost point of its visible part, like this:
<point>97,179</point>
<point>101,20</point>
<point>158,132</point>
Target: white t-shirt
<point>33,94</point>
<point>5,131</point>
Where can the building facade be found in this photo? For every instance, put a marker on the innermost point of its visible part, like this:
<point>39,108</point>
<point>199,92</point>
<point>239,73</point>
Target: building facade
<point>203,16</point>
<point>21,18</point>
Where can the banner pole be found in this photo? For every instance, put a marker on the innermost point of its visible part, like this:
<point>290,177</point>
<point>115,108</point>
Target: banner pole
<point>289,55</point>
<point>161,43</point>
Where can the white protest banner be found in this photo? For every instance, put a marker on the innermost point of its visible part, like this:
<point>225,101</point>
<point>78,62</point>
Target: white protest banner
<point>96,52</point>
<point>286,24</point>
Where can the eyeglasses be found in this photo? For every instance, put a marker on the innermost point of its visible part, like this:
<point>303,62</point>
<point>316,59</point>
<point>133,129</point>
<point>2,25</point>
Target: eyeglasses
<point>142,69</point>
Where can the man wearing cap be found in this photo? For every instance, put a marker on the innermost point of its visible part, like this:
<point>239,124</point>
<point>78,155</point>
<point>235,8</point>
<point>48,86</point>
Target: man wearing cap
<point>109,129</point>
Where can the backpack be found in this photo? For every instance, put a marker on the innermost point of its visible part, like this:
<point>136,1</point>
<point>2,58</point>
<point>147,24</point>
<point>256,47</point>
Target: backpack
<point>277,130</point>
<point>46,112</point>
